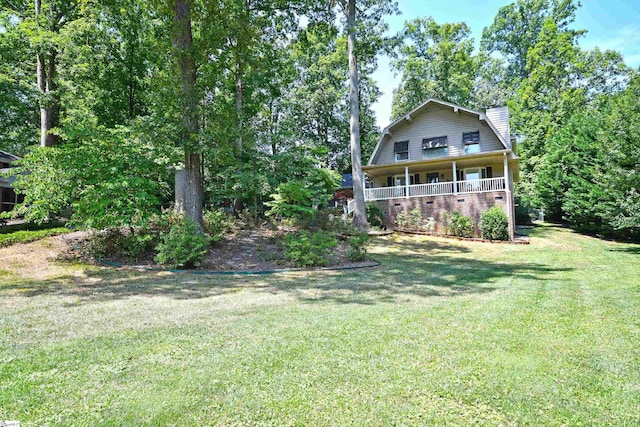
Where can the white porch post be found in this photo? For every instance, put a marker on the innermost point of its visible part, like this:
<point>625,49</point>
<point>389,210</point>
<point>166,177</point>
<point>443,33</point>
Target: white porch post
<point>406,182</point>
<point>455,179</point>
<point>510,207</point>
<point>506,172</point>
<point>364,185</point>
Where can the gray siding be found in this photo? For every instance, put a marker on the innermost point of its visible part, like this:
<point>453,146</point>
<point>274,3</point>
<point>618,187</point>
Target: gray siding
<point>433,121</point>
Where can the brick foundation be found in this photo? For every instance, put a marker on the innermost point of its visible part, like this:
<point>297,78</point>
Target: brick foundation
<point>471,204</point>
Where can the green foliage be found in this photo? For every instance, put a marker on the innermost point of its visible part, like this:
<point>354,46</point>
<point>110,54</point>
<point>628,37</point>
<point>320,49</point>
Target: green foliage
<point>494,224</point>
<point>410,220</point>
<point>109,177</point>
<point>217,223</point>
<point>307,249</point>
<point>25,236</point>
<point>375,217</point>
<point>436,62</point>
<point>115,242</point>
<point>358,247</point>
<point>445,219</point>
<point>291,200</point>
<point>461,226</point>
<point>184,245</point>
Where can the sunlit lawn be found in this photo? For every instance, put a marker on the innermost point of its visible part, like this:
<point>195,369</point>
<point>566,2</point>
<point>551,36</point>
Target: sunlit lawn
<point>443,332</point>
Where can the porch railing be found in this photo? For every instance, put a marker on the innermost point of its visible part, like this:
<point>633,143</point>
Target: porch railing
<point>436,189</point>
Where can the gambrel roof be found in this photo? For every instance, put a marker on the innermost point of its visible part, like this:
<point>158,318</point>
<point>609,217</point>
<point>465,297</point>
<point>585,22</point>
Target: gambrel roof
<point>499,115</point>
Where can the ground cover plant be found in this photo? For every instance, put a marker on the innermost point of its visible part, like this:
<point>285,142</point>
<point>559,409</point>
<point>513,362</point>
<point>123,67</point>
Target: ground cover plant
<point>442,333</point>
<point>25,236</point>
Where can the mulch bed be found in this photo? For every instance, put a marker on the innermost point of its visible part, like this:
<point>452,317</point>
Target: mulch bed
<point>260,249</point>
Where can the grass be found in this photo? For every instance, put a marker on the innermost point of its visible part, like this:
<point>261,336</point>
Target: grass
<point>443,332</point>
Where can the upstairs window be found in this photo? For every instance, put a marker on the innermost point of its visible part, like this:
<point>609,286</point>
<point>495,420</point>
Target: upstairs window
<point>471,141</point>
<point>401,150</point>
<point>435,147</point>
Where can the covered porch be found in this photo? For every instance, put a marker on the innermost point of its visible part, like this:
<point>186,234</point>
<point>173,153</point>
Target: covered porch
<point>443,177</point>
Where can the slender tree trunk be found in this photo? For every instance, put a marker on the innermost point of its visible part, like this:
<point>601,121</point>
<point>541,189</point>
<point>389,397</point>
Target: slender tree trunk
<point>359,212</point>
<point>49,100</point>
<point>237,202</point>
<point>190,180</point>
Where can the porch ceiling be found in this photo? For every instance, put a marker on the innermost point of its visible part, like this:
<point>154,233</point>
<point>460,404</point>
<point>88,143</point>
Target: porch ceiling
<point>480,159</point>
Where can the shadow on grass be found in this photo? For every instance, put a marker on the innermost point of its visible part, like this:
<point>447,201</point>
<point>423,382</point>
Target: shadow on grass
<point>633,250</point>
<point>409,270</point>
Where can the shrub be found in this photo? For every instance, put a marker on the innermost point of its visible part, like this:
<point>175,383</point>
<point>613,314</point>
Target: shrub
<point>445,219</point>
<point>411,220</point>
<point>430,224</point>
<point>183,246</point>
<point>358,247</point>
<point>494,224</point>
<point>291,200</point>
<point>374,215</point>
<point>309,249</point>
<point>461,226</point>
<point>329,219</point>
<point>217,223</point>
<point>402,219</point>
<point>415,219</point>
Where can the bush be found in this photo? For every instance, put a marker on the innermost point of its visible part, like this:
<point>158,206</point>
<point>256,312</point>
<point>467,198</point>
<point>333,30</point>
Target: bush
<point>402,219</point>
<point>291,200</point>
<point>114,242</point>
<point>374,215</point>
<point>309,249</point>
<point>329,219</point>
<point>411,220</point>
<point>445,218</point>
<point>494,224</point>
<point>461,226</point>
<point>217,223</point>
<point>358,247</point>
<point>183,246</point>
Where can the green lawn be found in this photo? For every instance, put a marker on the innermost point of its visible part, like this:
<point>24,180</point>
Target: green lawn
<point>443,332</point>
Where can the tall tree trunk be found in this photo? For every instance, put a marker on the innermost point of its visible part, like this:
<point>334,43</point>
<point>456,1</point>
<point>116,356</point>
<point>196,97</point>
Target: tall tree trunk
<point>237,202</point>
<point>359,212</point>
<point>191,192</point>
<point>49,99</point>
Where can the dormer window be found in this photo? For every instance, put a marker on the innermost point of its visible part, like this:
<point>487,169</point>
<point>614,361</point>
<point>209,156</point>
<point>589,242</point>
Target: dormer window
<point>471,141</point>
<point>401,150</point>
<point>435,147</point>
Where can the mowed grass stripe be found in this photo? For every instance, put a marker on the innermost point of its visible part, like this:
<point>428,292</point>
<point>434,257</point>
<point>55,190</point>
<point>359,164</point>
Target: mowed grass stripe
<point>443,332</point>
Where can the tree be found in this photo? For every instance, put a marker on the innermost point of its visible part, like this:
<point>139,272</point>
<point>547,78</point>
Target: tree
<point>517,27</point>
<point>189,192</point>
<point>436,62</point>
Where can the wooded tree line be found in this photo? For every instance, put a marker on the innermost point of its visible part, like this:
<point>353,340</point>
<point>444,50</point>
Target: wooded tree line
<point>244,95</point>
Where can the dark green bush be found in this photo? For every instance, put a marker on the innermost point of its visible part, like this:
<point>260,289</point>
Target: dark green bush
<point>494,224</point>
<point>358,247</point>
<point>115,242</point>
<point>184,245</point>
<point>217,223</point>
<point>309,249</point>
<point>375,216</point>
<point>461,226</point>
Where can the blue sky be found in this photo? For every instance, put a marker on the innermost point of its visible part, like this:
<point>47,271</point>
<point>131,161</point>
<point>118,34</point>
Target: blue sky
<point>611,24</point>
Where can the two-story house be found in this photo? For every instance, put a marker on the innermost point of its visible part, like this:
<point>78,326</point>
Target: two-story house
<point>441,157</point>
